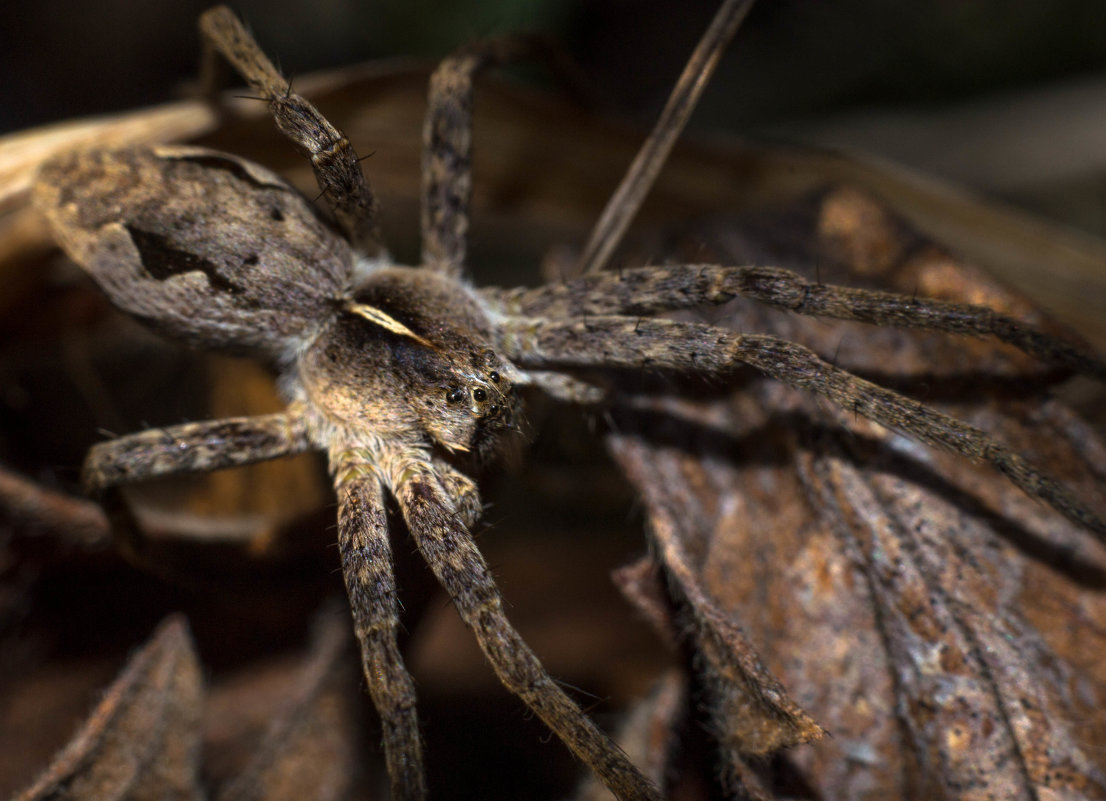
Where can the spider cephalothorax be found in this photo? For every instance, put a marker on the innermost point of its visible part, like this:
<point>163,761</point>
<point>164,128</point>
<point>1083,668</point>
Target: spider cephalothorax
<point>399,374</point>
<point>410,352</point>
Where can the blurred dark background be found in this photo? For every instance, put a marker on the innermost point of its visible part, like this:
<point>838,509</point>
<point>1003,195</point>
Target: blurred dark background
<point>1008,96</point>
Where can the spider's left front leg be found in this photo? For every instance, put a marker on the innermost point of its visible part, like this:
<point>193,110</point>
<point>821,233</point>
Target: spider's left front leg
<point>446,544</point>
<point>370,583</point>
<point>649,290</point>
<point>716,353</point>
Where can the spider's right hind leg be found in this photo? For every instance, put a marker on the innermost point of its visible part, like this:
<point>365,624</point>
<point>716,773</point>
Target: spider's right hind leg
<point>447,138</point>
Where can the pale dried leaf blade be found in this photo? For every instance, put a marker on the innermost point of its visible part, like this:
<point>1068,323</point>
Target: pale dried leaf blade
<point>309,750</point>
<point>627,199</point>
<point>142,741</point>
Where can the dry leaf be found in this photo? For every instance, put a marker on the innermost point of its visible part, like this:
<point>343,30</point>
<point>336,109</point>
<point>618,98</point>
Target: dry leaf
<point>944,628</point>
<point>146,737</point>
<point>310,747</point>
<point>143,739</point>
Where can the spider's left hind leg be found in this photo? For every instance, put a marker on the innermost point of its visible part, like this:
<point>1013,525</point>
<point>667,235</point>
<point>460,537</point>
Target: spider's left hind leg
<point>337,168</point>
<point>193,448</point>
<point>716,353</point>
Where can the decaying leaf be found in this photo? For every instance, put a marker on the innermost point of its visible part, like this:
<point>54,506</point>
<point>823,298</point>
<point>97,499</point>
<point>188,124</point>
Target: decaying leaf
<point>143,739</point>
<point>310,748</point>
<point>146,738</point>
<point>943,628</point>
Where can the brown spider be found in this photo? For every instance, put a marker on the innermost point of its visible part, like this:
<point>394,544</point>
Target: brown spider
<point>406,376</point>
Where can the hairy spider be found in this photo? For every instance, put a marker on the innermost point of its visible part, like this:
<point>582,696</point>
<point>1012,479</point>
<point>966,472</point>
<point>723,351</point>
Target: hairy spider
<point>407,376</point>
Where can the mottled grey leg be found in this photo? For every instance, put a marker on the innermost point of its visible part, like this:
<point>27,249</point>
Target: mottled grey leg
<point>193,448</point>
<point>337,168</point>
<point>718,353</point>
<point>447,141</point>
<point>367,567</point>
<point>648,290</point>
<point>448,548</point>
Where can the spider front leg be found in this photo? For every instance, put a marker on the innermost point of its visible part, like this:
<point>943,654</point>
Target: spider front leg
<point>648,290</point>
<point>370,583</point>
<point>605,342</point>
<point>448,548</point>
<point>333,159</point>
<point>463,491</point>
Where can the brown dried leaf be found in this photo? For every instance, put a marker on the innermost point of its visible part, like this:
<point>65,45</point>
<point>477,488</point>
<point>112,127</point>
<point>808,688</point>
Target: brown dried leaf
<point>760,716</point>
<point>946,629</point>
<point>310,747</point>
<point>143,740</point>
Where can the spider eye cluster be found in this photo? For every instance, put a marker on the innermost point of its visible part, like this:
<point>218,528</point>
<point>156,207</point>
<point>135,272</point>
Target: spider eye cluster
<point>488,400</point>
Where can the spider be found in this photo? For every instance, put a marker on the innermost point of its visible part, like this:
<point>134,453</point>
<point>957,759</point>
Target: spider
<point>407,377</point>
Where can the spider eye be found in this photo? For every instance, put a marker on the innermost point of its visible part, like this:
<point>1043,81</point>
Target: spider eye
<point>494,376</point>
<point>479,395</point>
<point>454,395</point>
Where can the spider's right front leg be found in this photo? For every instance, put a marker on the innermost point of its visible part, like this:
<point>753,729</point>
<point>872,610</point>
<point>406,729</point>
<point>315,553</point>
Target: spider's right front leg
<point>447,546</point>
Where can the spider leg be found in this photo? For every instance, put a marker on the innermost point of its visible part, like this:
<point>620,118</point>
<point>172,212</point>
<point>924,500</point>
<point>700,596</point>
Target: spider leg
<point>186,448</point>
<point>447,140</point>
<point>193,448</point>
<point>367,568</point>
<point>565,388</point>
<point>719,353</point>
<point>448,548</point>
<point>648,290</point>
<point>337,168</point>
